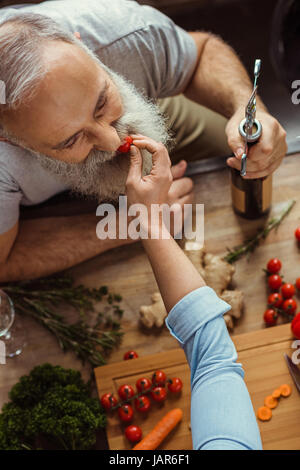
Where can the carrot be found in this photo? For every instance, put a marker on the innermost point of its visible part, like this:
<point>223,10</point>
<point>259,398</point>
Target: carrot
<point>160,431</point>
<point>277,393</point>
<point>264,413</point>
<point>285,390</point>
<point>271,402</point>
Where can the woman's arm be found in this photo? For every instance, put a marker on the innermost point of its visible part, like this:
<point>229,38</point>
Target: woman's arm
<point>222,415</point>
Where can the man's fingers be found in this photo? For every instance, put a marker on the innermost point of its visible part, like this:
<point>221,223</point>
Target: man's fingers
<point>178,170</point>
<point>180,188</point>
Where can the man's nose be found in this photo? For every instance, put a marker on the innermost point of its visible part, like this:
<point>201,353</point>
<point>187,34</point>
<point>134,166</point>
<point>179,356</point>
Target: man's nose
<point>106,138</point>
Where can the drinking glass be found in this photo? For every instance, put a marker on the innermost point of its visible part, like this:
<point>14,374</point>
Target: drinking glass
<point>12,339</point>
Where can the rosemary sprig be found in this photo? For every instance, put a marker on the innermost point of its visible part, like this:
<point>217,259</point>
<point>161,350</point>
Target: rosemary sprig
<point>249,246</point>
<point>40,300</point>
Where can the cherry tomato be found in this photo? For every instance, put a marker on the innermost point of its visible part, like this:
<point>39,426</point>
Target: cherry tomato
<point>288,290</point>
<point>130,355</point>
<point>289,306</point>
<point>159,394</point>
<point>295,325</point>
<point>124,148</point>
<point>175,385</point>
<point>125,392</point>
<point>133,433</point>
<point>275,300</point>
<point>159,378</point>
<point>274,266</point>
<point>298,283</point>
<point>274,281</point>
<point>297,234</point>
<point>142,404</point>
<point>270,317</point>
<point>143,384</point>
<point>108,401</point>
<point>125,413</point>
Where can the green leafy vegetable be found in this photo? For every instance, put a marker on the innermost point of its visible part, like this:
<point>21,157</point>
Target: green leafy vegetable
<point>249,246</point>
<point>54,404</point>
<point>42,298</point>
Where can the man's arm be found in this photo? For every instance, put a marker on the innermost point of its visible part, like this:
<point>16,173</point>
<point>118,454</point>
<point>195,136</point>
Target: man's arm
<point>45,246</point>
<point>221,83</point>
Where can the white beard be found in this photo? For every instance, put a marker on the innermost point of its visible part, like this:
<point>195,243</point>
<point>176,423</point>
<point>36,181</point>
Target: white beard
<point>103,174</point>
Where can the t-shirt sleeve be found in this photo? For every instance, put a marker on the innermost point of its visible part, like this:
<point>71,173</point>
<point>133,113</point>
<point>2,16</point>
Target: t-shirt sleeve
<point>10,197</point>
<point>159,58</point>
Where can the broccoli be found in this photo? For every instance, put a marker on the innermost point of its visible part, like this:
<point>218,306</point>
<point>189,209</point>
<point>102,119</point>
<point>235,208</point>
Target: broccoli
<point>51,403</point>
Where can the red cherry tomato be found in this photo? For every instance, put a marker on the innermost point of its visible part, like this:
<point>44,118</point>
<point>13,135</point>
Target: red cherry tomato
<point>274,281</point>
<point>175,385</point>
<point>108,401</point>
<point>274,266</point>
<point>143,384</point>
<point>295,325</point>
<point>130,355</point>
<point>275,300</point>
<point>159,394</point>
<point>133,433</point>
<point>289,306</point>
<point>288,290</point>
<point>297,234</point>
<point>159,378</point>
<point>298,283</point>
<point>270,317</point>
<point>125,392</point>
<point>142,404</point>
<point>124,148</point>
<point>125,413</point>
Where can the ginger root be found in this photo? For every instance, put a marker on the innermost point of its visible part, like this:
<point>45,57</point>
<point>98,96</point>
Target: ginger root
<point>217,274</point>
<point>153,315</point>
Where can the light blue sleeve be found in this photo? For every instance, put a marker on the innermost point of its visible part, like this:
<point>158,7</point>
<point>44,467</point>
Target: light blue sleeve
<point>222,415</point>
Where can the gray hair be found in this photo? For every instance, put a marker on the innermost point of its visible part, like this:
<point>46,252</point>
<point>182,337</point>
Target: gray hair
<point>22,68</point>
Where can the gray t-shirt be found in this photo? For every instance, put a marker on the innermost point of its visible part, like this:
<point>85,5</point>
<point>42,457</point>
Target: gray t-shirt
<point>139,42</point>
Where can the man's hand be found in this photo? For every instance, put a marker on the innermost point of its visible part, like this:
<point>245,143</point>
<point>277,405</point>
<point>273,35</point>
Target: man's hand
<point>265,156</point>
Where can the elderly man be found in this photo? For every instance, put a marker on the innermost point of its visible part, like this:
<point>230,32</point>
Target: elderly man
<point>79,77</point>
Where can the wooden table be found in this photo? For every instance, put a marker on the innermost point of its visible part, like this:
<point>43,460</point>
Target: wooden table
<point>261,354</point>
<point>128,272</point>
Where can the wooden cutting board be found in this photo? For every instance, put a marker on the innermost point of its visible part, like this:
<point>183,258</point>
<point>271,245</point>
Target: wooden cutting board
<point>260,352</point>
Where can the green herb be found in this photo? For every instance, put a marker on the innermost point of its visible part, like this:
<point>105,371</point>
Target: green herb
<point>51,404</point>
<point>249,246</point>
<point>40,299</point>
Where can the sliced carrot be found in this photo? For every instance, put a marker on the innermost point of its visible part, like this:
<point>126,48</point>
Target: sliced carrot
<point>276,393</point>
<point>271,402</point>
<point>285,390</point>
<point>160,431</point>
<point>264,413</point>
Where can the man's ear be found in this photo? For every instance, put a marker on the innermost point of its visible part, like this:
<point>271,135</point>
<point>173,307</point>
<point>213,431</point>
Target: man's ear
<point>77,35</point>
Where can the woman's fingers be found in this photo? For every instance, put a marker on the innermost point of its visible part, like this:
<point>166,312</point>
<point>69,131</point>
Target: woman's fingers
<point>160,156</point>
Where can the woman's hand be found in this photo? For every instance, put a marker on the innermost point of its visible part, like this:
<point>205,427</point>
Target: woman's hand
<point>152,188</point>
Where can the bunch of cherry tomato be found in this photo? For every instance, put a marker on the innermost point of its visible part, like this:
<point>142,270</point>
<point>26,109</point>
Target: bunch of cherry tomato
<point>156,388</point>
<point>280,301</point>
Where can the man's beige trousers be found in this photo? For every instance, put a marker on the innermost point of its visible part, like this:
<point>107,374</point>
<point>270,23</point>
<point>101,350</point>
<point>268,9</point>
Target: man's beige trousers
<point>198,132</point>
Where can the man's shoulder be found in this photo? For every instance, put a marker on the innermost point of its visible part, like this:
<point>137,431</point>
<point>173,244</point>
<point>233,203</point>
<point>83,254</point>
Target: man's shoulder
<point>100,23</point>
<point>20,171</point>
